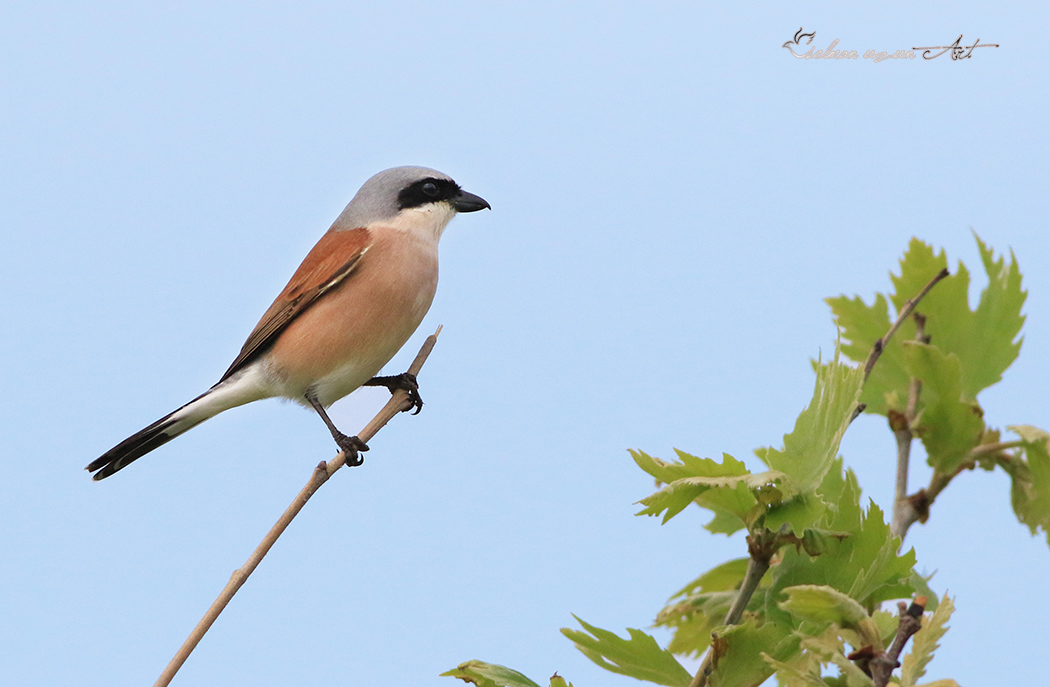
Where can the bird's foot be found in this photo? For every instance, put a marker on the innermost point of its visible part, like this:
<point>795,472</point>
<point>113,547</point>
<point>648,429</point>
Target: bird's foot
<point>352,448</point>
<point>405,381</point>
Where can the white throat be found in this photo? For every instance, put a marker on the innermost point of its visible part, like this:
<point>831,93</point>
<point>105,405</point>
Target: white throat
<point>426,222</point>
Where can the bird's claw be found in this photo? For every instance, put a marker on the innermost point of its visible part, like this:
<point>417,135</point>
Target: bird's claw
<point>352,447</point>
<point>406,381</point>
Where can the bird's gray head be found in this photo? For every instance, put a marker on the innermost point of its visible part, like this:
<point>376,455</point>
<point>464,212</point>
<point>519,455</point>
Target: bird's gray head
<point>393,190</point>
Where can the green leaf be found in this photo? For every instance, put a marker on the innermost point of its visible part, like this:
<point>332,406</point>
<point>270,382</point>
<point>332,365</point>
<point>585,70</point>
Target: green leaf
<point>739,653</point>
<point>841,492</point>
<point>860,326</point>
<point>996,323</point>
<point>884,573</point>
<point>728,489</point>
<point>924,643</point>
<point>886,625</point>
<point>789,675</point>
<point>701,606</point>
<point>817,541</point>
<point>640,656</point>
<point>721,578</point>
<point>689,466</point>
<point>800,512</point>
<point>818,608</point>
<point>948,426</point>
<point>866,565</point>
<point>812,446</point>
<point>986,340</point>
<point>782,494</point>
<point>489,675</point>
<point>692,619</point>
<point>1030,479</point>
<point>823,604</point>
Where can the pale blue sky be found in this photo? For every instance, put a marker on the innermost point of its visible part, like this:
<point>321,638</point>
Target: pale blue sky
<point>673,196</point>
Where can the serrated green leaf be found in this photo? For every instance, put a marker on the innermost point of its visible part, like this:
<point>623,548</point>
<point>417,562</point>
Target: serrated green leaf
<point>986,340</point>
<point>948,426</point>
<point>801,512</point>
<point>823,604</point>
<point>639,656</point>
<point>884,575</point>
<point>730,496</point>
<point>866,566</point>
<point>699,607</point>
<point>489,675</point>
<point>688,466</point>
<point>925,642</point>
<point>793,676</point>
<point>855,677</point>
<point>721,578</point>
<point>998,313</point>
<point>1030,434</point>
<point>828,647</point>
<point>819,609</point>
<point>739,653</point>
<point>727,488</point>
<point>860,326</point>
<point>817,541</point>
<point>886,625</point>
<point>812,446</point>
<point>693,618</point>
<point>811,449</point>
<point>841,492</point>
<point>1030,479</point>
<point>559,681</point>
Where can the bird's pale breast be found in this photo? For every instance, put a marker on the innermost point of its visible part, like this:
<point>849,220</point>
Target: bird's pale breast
<point>346,337</point>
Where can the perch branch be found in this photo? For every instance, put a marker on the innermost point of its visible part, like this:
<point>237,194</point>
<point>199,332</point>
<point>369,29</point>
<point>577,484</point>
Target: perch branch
<point>399,401</point>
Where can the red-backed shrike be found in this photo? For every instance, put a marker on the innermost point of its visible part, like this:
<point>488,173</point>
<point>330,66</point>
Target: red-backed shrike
<point>353,303</point>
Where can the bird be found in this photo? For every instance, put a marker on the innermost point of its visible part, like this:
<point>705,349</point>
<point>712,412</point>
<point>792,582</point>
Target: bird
<point>355,300</point>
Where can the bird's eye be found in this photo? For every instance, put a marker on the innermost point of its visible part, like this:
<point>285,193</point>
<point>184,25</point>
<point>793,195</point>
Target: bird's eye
<point>430,189</point>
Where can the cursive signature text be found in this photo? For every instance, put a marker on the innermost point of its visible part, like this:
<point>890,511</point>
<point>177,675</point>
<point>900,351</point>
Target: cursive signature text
<point>958,51</point>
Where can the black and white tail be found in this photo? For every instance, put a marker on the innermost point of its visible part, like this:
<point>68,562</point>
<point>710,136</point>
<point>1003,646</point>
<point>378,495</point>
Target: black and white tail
<point>232,392</point>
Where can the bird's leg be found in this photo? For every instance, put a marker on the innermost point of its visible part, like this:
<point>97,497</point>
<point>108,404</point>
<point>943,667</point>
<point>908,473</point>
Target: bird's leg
<point>405,381</point>
<point>351,446</point>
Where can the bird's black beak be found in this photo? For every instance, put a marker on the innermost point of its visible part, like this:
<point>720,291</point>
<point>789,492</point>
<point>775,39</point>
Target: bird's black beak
<point>468,202</point>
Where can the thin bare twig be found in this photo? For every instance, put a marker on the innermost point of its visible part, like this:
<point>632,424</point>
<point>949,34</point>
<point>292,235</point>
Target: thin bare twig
<point>399,401</point>
<point>901,426</point>
<point>909,306</point>
<point>997,447</point>
<point>882,666</point>
<point>919,503</point>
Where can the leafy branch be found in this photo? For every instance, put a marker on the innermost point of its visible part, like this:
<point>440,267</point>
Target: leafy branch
<point>763,545</point>
<point>820,566</point>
